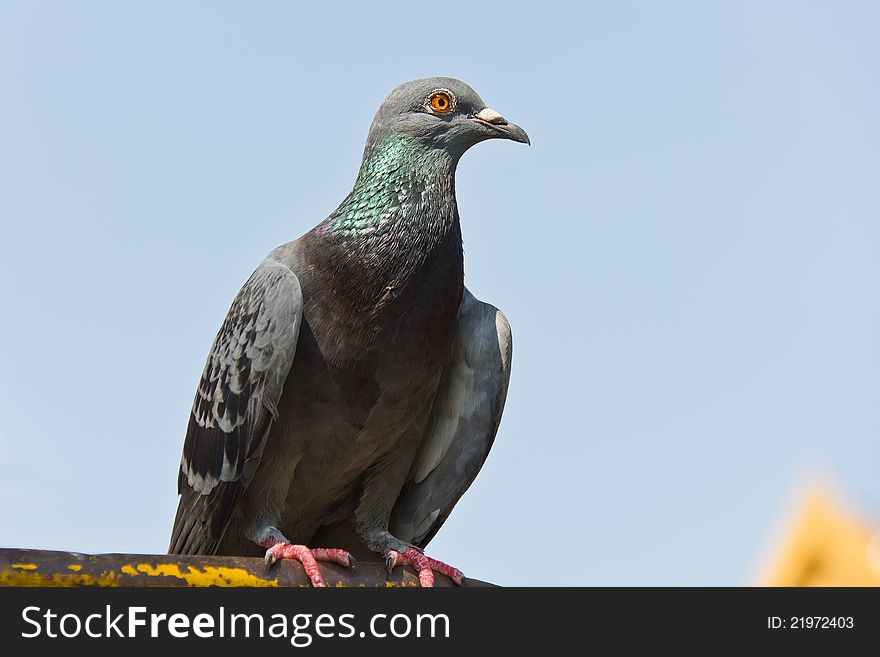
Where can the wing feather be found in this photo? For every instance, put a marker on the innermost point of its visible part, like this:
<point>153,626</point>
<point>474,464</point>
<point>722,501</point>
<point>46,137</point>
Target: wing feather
<point>235,404</point>
<point>464,420</point>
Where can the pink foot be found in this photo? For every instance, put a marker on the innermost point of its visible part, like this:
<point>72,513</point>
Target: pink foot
<point>425,566</point>
<point>309,558</point>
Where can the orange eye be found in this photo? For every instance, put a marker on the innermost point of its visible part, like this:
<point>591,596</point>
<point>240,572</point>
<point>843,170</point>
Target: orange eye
<point>440,101</point>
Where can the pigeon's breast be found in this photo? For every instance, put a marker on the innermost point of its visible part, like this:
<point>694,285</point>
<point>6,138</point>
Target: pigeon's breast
<point>366,382</point>
<point>360,389</point>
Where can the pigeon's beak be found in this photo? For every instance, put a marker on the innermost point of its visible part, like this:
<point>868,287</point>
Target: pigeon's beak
<point>505,129</point>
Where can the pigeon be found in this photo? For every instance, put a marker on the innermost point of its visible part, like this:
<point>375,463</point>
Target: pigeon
<point>355,387</point>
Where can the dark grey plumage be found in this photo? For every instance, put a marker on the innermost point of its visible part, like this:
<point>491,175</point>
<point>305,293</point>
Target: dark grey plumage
<point>464,419</point>
<point>355,387</point>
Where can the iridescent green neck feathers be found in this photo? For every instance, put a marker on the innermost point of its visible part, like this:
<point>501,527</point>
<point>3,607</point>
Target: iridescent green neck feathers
<point>401,185</point>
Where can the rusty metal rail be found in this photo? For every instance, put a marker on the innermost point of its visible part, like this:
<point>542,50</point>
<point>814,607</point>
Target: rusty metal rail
<point>50,568</point>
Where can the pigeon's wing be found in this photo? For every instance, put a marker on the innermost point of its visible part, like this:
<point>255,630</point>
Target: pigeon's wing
<point>235,405</point>
<point>463,423</point>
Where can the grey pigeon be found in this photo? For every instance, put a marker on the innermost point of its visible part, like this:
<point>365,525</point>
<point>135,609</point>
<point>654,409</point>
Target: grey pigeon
<point>355,387</point>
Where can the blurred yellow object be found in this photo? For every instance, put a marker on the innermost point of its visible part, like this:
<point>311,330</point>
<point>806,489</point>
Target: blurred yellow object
<point>827,547</point>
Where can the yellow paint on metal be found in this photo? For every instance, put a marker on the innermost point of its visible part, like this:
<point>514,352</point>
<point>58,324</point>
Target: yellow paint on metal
<point>161,572</point>
<point>28,575</point>
<point>26,578</point>
<point>208,576</point>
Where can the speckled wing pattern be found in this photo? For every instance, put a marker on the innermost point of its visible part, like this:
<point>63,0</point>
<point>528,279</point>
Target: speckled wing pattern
<point>235,405</point>
<point>464,420</point>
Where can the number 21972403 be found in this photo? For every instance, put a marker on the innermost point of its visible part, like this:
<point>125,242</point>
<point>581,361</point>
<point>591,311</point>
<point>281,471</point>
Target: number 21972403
<point>809,622</point>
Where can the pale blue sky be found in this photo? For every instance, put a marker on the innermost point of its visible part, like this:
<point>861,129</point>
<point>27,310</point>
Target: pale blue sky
<point>687,255</point>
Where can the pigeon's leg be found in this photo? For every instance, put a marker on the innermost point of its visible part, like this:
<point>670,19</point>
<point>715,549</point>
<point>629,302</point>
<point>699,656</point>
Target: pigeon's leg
<point>374,509</point>
<point>278,547</point>
<point>398,553</point>
<point>424,565</point>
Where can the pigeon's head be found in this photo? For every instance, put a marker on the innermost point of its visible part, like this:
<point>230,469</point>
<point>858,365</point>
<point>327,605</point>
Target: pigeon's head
<point>440,113</point>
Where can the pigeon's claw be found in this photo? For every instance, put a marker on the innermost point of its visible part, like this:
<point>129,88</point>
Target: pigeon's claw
<point>425,566</point>
<point>309,558</point>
